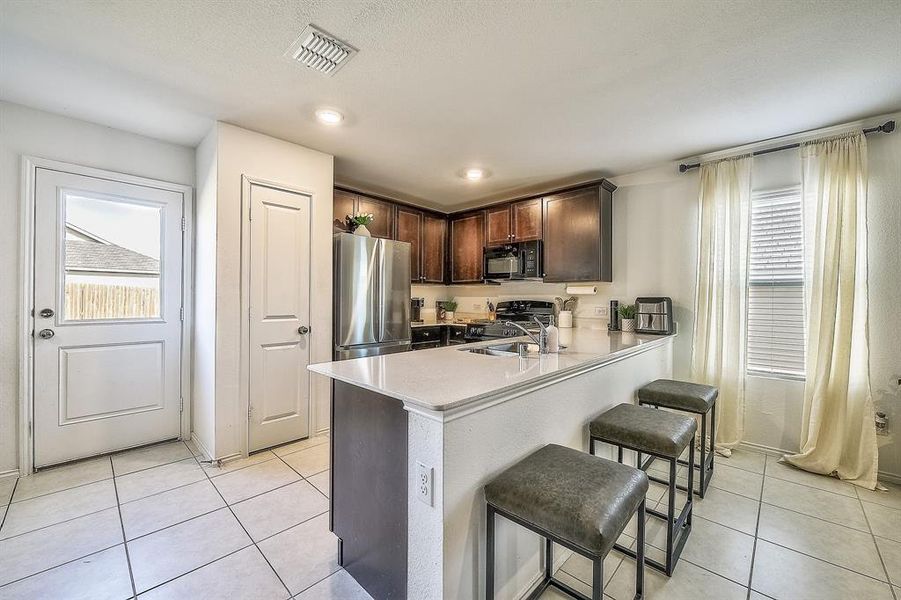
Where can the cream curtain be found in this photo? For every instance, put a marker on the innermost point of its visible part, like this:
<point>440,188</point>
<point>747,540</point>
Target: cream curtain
<point>718,343</point>
<point>838,435</point>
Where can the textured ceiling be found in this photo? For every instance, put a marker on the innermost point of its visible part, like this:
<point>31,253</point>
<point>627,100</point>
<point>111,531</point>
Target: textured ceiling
<point>535,91</point>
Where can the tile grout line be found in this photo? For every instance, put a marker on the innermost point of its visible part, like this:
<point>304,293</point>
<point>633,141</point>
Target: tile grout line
<point>197,568</point>
<point>888,577</point>
<point>62,564</point>
<point>252,541</point>
<point>757,528</point>
<point>6,509</point>
<point>131,575</point>
<point>302,478</point>
<point>65,489</point>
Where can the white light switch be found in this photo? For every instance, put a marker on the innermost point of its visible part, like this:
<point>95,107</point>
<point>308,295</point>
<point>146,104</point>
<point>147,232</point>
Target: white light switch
<point>600,311</point>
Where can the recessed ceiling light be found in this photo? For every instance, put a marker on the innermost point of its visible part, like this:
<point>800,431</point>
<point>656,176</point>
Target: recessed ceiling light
<point>475,174</point>
<point>329,116</point>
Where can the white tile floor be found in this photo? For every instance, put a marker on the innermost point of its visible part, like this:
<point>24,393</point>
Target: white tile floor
<point>156,523</point>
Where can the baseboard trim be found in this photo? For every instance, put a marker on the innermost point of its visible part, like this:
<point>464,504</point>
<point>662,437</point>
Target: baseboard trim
<point>206,451</point>
<point>10,473</point>
<point>889,477</point>
<point>765,449</point>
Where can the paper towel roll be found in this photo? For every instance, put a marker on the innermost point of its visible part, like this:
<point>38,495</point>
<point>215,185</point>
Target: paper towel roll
<point>581,290</point>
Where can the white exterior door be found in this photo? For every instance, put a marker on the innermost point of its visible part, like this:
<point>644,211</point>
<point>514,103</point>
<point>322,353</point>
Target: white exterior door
<point>108,265</point>
<point>279,316</point>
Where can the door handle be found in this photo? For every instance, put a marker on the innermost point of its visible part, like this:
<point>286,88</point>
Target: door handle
<point>46,313</point>
<point>303,330</point>
<point>46,334</point>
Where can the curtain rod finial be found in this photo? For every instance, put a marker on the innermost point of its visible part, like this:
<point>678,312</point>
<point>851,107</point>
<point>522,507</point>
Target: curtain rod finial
<point>888,127</point>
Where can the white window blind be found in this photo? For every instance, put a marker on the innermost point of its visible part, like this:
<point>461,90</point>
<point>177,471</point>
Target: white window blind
<point>776,320</point>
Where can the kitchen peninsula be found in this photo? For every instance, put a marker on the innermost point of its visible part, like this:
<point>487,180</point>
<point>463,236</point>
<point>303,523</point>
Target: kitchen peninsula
<point>416,435</point>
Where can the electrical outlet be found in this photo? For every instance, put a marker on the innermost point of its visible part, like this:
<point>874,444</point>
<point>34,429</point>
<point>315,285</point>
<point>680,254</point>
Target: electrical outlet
<point>424,484</point>
<point>600,311</point>
<point>476,306</point>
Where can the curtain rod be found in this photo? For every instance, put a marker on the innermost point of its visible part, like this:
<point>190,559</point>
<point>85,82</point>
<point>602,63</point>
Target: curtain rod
<point>887,127</point>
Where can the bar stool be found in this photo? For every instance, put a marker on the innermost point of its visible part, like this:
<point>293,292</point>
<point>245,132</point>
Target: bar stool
<point>573,499</point>
<point>693,398</point>
<point>662,435</point>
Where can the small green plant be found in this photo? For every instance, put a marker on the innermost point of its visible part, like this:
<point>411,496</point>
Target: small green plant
<point>450,306</point>
<point>355,220</point>
<point>626,311</point>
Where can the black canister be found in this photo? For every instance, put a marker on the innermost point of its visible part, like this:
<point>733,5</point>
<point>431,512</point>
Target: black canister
<point>613,324</point>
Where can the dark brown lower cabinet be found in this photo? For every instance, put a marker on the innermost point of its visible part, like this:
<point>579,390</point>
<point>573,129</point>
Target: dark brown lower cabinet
<point>578,241</point>
<point>467,238</point>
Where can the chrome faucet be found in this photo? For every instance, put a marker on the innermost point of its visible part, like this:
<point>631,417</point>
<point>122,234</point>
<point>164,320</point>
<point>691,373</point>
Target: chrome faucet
<point>541,339</point>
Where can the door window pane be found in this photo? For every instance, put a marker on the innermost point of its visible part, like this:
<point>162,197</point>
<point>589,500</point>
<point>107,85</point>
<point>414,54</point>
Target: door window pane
<point>111,258</point>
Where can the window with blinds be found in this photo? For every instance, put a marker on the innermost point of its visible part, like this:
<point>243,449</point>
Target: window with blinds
<point>776,285</point>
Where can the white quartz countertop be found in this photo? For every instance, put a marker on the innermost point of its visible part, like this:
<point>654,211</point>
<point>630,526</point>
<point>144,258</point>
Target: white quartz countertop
<point>437,323</point>
<point>446,378</point>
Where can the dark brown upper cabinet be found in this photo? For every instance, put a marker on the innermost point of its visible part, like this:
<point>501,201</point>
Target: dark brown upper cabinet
<point>467,240</point>
<point>344,204</point>
<point>382,225</point>
<point>578,242</point>
<point>525,220</point>
<point>434,244</point>
<point>409,229</point>
<point>497,225</point>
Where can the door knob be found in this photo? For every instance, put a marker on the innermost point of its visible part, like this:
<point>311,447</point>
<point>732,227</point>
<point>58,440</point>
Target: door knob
<point>46,313</point>
<point>46,334</point>
<point>303,329</point>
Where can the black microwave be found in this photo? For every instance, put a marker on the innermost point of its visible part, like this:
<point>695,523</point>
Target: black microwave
<point>522,260</point>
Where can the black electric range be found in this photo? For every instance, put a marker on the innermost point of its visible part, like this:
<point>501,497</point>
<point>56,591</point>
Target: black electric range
<point>518,311</point>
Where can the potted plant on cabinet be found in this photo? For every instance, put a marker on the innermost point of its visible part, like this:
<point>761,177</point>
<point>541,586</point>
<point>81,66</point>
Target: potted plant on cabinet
<point>357,223</point>
<point>627,317</point>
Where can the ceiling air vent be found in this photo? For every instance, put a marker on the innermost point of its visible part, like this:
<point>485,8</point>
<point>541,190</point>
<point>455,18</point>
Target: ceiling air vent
<point>320,51</point>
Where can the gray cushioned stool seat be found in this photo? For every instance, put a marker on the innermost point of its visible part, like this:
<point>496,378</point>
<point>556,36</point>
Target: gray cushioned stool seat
<point>682,395</point>
<point>575,496</point>
<point>645,429</point>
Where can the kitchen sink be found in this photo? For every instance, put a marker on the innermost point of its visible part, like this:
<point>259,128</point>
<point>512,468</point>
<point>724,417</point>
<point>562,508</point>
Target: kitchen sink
<point>505,349</point>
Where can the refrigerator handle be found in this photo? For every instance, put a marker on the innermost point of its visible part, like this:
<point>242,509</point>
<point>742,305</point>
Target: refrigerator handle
<point>378,282</point>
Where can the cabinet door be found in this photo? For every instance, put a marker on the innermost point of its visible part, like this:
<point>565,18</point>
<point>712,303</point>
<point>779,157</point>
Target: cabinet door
<point>434,242</point>
<point>467,244</point>
<point>344,204</point>
<point>497,226</point>
<point>409,229</point>
<point>577,240</point>
<point>382,225</point>
<point>525,218</point>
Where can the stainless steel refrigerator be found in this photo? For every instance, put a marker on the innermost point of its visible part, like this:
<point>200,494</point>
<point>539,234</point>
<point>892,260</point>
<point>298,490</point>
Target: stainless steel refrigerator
<point>372,296</point>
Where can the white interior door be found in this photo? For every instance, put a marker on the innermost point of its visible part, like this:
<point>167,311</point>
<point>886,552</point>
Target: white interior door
<point>279,316</point>
<point>108,265</point>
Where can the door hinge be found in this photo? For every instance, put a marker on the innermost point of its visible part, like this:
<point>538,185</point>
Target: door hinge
<point>249,411</point>
<point>184,224</point>
<point>181,313</point>
<point>181,404</point>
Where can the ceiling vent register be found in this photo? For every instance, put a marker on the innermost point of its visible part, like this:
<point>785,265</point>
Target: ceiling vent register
<point>320,51</point>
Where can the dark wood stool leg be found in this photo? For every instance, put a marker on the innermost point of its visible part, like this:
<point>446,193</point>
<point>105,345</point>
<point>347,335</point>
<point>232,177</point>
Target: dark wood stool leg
<point>691,476</point>
<point>489,556</point>
<point>639,553</point>
<point>597,587</point>
<point>712,437</point>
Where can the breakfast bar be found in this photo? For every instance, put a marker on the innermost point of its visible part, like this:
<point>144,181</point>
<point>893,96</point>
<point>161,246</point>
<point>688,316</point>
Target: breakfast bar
<point>417,435</point>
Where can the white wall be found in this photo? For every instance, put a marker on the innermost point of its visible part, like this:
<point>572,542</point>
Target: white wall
<point>29,132</point>
<point>238,153</point>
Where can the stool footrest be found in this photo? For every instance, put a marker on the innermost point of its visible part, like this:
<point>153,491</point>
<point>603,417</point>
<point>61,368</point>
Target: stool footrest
<point>554,582</point>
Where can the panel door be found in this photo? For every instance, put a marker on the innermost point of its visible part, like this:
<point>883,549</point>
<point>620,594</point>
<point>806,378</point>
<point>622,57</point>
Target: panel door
<point>525,218</point>
<point>572,236</point>
<point>279,316</point>
<point>434,243</point>
<point>497,226</point>
<point>343,204</point>
<point>467,244</point>
<point>409,229</point>
<point>108,264</point>
<point>382,225</point>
